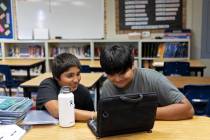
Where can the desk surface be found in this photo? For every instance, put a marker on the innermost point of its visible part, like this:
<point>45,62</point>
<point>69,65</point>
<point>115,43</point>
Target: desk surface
<point>193,64</point>
<point>197,128</point>
<point>20,62</point>
<point>181,81</point>
<point>91,63</point>
<point>87,79</point>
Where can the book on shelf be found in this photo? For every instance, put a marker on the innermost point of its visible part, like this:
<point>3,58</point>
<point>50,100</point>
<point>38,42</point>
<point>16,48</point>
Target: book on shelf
<point>97,51</point>
<point>150,49</point>
<point>164,50</point>
<point>80,52</point>
<point>26,51</point>
<point>181,33</point>
<point>175,50</point>
<point>160,51</point>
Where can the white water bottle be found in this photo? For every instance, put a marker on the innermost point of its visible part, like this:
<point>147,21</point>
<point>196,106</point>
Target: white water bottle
<point>66,107</point>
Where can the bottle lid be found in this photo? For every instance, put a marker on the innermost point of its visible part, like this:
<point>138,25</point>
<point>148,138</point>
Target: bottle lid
<point>65,89</point>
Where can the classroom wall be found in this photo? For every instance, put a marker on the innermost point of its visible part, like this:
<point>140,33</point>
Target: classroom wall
<point>196,15</point>
<point>193,21</point>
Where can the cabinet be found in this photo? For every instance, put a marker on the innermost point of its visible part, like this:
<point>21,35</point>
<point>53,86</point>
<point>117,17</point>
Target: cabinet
<point>144,51</point>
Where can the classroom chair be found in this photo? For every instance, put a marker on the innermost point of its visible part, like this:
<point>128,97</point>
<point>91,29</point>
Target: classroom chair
<point>176,68</point>
<point>8,82</point>
<point>199,96</point>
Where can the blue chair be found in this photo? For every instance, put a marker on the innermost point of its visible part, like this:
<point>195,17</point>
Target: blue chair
<point>176,68</point>
<point>8,82</point>
<point>199,96</point>
<point>85,69</point>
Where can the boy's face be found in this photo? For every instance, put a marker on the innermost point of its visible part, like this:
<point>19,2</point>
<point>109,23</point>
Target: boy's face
<point>122,80</point>
<point>70,78</point>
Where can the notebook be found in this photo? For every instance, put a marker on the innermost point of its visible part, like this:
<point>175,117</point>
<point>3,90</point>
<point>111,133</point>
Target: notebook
<point>35,117</point>
<point>124,114</point>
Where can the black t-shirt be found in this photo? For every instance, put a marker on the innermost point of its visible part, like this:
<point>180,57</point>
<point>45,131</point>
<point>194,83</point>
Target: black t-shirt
<point>49,90</point>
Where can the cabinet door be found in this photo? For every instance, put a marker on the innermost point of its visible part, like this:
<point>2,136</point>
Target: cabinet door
<point>205,49</point>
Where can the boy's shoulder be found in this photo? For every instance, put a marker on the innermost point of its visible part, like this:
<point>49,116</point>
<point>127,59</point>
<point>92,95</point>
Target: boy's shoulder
<point>146,72</point>
<point>49,81</point>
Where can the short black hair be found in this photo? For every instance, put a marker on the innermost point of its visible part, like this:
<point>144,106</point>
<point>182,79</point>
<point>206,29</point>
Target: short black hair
<point>116,59</point>
<point>62,63</point>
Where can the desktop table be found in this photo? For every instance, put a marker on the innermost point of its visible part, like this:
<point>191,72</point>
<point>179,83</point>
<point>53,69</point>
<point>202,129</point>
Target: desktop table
<point>89,80</point>
<point>181,81</point>
<point>95,65</point>
<point>24,64</point>
<point>195,66</point>
<point>197,128</point>
<point>91,63</point>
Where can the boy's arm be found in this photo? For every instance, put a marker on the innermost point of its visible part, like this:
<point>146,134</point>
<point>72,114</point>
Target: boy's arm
<point>80,115</point>
<point>176,111</point>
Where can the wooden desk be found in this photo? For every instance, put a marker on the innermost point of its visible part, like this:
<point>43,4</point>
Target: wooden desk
<point>181,81</point>
<point>89,80</point>
<point>95,65</point>
<point>24,64</point>
<point>197,128</point>
<point>195,66</point>
<point>91,63</point>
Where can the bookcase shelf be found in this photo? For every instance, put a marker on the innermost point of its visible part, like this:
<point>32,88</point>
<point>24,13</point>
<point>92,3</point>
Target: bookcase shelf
<point>98,46</point>
<point>164,49</point>
<point>144,51</point>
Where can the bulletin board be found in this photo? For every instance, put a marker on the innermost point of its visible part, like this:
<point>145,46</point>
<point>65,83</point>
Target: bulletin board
<point>6,26</point>
<point>153,15</point>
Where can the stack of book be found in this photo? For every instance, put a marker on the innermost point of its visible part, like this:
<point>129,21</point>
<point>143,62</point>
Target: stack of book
<point>182,33</point>
<point>13,109</point>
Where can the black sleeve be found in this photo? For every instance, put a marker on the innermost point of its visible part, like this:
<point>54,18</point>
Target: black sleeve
<point>83,99</point>
<point>48,90</point>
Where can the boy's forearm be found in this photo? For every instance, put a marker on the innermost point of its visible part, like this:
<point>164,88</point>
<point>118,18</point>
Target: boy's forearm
<point>84,115</point>
<point>178,111</point>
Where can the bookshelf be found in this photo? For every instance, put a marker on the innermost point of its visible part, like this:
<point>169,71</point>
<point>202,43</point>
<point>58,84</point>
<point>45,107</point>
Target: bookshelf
<point>23,50</point>
<point>145,51</point>
<point>164,49</point>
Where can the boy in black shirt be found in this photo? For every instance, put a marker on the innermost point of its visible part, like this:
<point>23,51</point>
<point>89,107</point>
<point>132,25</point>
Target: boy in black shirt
<point>66,72</point>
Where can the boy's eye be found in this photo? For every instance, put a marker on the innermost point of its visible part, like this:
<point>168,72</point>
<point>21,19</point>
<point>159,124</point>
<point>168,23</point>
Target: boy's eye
<point>69,75</point>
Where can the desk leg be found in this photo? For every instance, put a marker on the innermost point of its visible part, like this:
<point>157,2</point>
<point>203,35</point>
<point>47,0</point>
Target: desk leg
<point>202,73</point>
<point>27,92</point>
<point>196,73</point>
<point>43,70</point>
<point>28,74</point>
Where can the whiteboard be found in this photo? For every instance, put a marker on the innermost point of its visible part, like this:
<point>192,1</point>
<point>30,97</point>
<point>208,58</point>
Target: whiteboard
<point>69,19</point>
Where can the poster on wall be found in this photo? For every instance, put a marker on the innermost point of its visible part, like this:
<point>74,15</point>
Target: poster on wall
<point>6,29</point>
